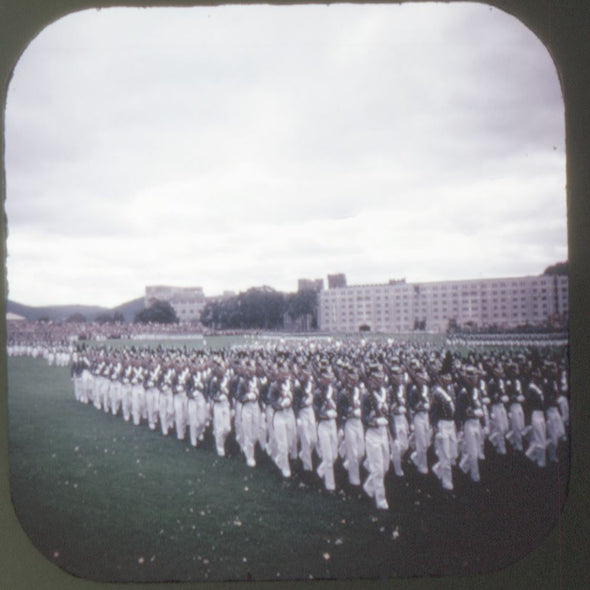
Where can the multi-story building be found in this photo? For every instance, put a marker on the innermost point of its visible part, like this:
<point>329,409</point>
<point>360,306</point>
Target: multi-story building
<point>337,281</point>
<point>398,306</point>
<point>310,285</point>
<point>187,302</point>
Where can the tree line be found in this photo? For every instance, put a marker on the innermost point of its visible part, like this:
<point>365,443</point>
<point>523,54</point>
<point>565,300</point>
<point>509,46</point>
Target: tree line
<point>262,308</point>
<point>258,308</point>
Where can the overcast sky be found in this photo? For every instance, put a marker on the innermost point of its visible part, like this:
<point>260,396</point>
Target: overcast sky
<point>239,146</point>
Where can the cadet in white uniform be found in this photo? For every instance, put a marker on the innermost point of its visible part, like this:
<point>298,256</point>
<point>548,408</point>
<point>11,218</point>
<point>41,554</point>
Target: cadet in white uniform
<point>350,421</point>
<point>375,416</point>
<point>306,422</point>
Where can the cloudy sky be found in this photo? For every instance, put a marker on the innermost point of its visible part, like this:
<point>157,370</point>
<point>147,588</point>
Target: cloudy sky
<point>233,147</point>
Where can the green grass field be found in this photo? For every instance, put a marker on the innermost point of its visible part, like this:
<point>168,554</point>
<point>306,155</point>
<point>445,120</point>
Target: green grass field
<point>110,501</point>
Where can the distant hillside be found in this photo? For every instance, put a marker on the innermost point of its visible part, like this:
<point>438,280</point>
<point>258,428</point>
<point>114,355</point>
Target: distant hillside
<point>60,313</point>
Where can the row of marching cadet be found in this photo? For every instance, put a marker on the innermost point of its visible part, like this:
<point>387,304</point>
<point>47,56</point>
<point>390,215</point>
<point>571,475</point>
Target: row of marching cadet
<point>369,405</point>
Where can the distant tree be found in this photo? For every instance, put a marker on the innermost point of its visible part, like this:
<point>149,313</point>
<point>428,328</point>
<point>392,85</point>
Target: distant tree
<point>160,312</point>
<point>109,318</point>
<point>560,268</point>
<point>76,317</point>
<point>209,314</point>
<point>258,308</point>
<point>302,308</point>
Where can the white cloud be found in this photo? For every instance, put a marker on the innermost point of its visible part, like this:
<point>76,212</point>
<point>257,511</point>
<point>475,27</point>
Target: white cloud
<point>234,146</point>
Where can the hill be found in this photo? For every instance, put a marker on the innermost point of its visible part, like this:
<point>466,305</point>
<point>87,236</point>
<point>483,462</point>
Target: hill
<point>60,313</point>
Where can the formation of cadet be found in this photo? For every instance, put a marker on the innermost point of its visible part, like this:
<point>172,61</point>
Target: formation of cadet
<point>58,353</point>
<point>368,405</point>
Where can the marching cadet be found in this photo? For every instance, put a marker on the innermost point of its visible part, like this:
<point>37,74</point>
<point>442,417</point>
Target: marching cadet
<point>442,415</point>
<point>350,421</point>
<point>307,435</point>
<point>105,386</point>
<point>115,388</point>
<point>482,384</point>
<point>515,410</point>
<point>198,407</point>
<point>535,400</point>
<point>284,429</point>
<point>554,421</point>
<point>249,413</point>
<point>399,428</point>
<point>470,413</point>
<point>76,370</point>
<point>181,402</point>
<point>325,410</point>
<point>263,403</point>
<point>166,399</point>
<point>498,423</point>
<point>219,395</point>
<point>86,378</point>
<point>419,395</point>
<point>98,382</point>
<point>126,391</point>
<point>152,394</point>
<point>562,399</point>
<point>237,387</point>
<point>137,393</point>
<point>375,412</point>
<point>267,399</point>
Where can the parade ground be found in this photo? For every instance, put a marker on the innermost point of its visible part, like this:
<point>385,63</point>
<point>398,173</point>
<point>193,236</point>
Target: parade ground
<point>109,501</point>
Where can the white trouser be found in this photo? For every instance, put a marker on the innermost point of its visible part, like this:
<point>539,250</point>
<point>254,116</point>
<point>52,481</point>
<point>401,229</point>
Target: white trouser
<point>238,424</point>
<point>470,451</point>
<point>284,442</point>
<point>180,415</point>
<point>445,445</point>
<point>498,427</point>
<point>377,464</point>
<point>116,397</point>
<point>221,425</point>
<point>555,431</point>
<point>401,443</point>
<point>564,409</point>
<point>249,419</point>
<point>97,391</point>
<point>166,409</point>
<point>77,381</point>
<point>137,395</point>
<point>198,415</point>
<point>537,449</point>
<point>151,402</point>
<point>354,439</point>
<point>270,438</point>
<point>86,386</point>
<point>422,441</point>
<point>308,436</point>
<point>126,401</point>
<point>516,420</point>
<point>105,393</point>
<point>263,430</point>
<point>328,450</point>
